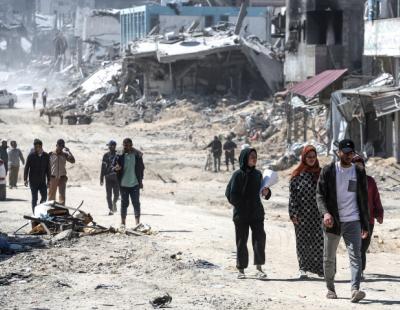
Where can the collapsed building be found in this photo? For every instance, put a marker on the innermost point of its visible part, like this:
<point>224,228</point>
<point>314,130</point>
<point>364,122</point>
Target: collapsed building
<point>216,64</point>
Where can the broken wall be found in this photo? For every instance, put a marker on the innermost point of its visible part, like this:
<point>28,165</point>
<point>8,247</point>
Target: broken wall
<point>334,27</point>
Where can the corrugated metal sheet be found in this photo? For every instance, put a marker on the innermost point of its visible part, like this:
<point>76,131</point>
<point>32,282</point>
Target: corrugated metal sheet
<point>386,104</point>
<point>313,86</point>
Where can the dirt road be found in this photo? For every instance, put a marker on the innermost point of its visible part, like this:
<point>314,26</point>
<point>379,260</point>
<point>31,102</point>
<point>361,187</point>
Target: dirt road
<point>190,216</point>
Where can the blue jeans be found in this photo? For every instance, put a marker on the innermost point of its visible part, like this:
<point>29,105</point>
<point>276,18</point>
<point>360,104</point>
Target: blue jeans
<point>134,194</point>
<point>35,189</point>
<point>351,233</point>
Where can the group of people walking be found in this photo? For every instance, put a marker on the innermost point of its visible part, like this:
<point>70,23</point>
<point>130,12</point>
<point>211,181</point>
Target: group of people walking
<point>123,174</point>
<point>35,96</point>
<point>325,205</point>
<point>216,148</point>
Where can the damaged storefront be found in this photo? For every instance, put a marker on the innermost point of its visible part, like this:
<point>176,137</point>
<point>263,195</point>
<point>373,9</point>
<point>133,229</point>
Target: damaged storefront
<point>367,114</point>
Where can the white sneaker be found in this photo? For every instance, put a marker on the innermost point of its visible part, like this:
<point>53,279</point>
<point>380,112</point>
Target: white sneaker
<point>122,228</point>
<point>302,275</point>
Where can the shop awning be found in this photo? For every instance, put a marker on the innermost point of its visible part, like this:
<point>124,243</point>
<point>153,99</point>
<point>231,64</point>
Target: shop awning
<point>313,86</point>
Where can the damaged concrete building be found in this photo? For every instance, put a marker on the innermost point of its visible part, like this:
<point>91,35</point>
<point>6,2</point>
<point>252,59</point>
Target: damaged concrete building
<point>196,50</point>
<point>16,29</point>
<point>216,64</point>
<point>138,21</point>
<point>323,35</point>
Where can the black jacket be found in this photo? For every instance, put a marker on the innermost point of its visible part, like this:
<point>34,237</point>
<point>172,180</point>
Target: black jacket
<point>139,167</point>
<point>327,199</point>
<point>216,147</point>
<point>230,146</point>
<point>37,169</point>
<point>243,191</point>
<point>107,169</point>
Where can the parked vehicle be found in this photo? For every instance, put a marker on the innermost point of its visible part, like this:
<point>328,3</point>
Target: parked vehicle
<point>24,91</point>
<point>7,99</point>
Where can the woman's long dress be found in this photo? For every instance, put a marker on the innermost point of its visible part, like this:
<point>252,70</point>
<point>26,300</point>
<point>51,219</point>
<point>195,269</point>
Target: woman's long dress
<point>309,234</point>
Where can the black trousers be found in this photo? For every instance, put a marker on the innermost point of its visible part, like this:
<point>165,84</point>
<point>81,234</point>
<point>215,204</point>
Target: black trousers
<point>230,158</point>
<point>112,187</point>
<point>365,245</point>
<point>35,190</point>
<point>258,238</point>
<point>217,162</point>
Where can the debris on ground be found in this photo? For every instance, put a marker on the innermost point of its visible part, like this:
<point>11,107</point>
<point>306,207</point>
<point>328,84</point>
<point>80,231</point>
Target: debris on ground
<point>203,264</point>
<point>65,223</point>
<point>161,302</point>
<point>177,256</point>
<point>14,277</point>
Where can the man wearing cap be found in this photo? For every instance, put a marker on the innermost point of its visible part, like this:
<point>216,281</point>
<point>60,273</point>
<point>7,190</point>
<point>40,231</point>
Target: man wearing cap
<point>108,173</point>
<point>58,171</point>
<point>37,173</point>
<point>14,158</point>
<point>342,199</point>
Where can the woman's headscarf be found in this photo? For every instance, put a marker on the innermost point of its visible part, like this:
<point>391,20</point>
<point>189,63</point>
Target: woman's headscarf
<point>303,167</point>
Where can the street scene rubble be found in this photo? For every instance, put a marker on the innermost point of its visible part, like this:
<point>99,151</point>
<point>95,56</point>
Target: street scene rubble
<point>166,105</point>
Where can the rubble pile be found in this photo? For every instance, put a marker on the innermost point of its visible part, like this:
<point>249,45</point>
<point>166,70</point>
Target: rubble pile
<point>64,223</point>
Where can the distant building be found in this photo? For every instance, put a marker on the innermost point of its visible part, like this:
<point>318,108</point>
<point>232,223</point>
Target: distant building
<point>138,21</point>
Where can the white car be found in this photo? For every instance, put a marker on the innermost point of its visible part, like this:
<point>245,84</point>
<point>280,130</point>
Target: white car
<point>7,99</point>
<point>24,91</point>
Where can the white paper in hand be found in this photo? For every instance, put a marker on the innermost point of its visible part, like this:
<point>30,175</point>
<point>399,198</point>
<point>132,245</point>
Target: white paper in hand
<point>270,178</point>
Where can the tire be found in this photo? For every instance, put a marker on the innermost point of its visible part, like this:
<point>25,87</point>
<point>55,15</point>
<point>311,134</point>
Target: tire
<point>11,104</point>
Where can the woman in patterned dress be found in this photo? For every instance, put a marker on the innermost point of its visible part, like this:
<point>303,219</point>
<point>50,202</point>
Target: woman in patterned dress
<point>303,212</point>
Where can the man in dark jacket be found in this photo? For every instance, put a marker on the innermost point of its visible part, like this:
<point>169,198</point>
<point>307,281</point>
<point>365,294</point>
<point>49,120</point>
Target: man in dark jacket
<point>229,148</point>
<point>216,150</point>
<point>130,170</point>
<point>342,199</point>
<point>108,173</point>
<point>4,154</point>
<point>243,192</point>
<point>37,173</point>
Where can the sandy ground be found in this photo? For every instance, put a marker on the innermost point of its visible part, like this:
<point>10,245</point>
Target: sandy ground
<point>190,216</point>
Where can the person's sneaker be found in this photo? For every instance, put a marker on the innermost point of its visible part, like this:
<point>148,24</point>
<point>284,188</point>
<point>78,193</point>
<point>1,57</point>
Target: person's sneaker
<point>261,275</point>
<point>110,213</point>
<point>331,295</point>
<point>241,274</point>
<point>122,228</point>
<point>302,275</point>
<point>357,295</point>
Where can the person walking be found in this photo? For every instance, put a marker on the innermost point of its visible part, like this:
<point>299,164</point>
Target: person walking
<point>130,171</point>
<point>14,158</point>
<point>304,214</point>
<point>3,186</point>
<point>4,154</point>
<point>375,211</point>
<point>108,173</point>
<point>243,192</point>
<point>229,148</point>
<point>342,199</point>
<point>35,96</point>
<point>37,173</point>
<point>216,150</point>
<point>58,171</point>
<point>44,97</point>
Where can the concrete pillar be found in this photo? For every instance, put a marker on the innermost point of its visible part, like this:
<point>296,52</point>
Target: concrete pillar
<point>396,137</point>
